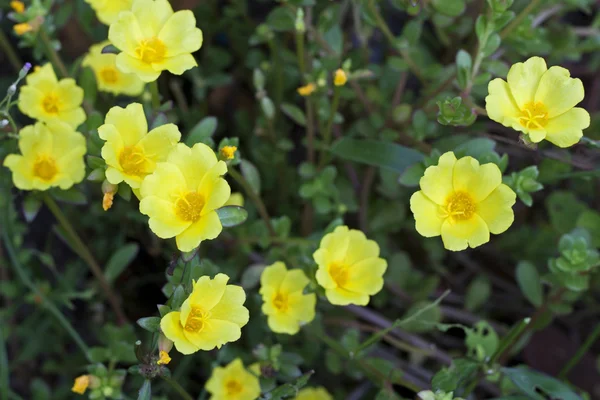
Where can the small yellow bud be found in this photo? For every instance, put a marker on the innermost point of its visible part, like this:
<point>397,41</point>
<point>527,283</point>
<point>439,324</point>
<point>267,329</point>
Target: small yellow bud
<point>306,90</point>
<point>107,201</point>
<point>18,6</point>
<point>164,358</point>
<point>340,77</point>
<point>81,384</point>
<point>23,28</point>
<point>228,152</point>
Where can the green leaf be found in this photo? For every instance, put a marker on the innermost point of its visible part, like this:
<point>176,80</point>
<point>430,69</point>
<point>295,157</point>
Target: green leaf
<point>295,113</point>
<point>87,81</point>
<point>281,19</point>
<point>178,298</point>
<point>232,215</point>
<point>202,132</point>
<point>450,379</point>
<point>376,153</point>
<point>478,293</point>
<point>120,260</point>
<point>145,392</point>
<point>425,318</point>
<point>451,8</point>
<point>151,324</point>
<point>31,207</point>
<point>530,283</point>
<point>288,390</point>
<point>482,341</point>
<point>250,172</point>
<point>72,196</point>
<point>538,386</point>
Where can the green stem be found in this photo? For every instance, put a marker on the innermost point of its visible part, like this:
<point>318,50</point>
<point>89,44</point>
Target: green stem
<point>581,352</point>
<point>4,378</point>
<point>87,256</point>
<point>155,94</point>
<point>52,55</point>
<point>178,388</point>
<point>276,60</point>
<point>390,37</point>
<point>517,21</point>
<point>260,205</point>
<point>12,56</point>
<point>12,255</point>
<point>328,128</point>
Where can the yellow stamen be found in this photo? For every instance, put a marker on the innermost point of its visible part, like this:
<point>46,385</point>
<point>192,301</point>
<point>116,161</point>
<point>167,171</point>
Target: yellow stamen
<point>280,302</point>
<point>233,387</point>
<point>459,206</point>
<point>534,116</point>
<point>109,75</point>
<point>45,168</point>
<point>151,50</point>
<point>339,273</point>
<point>50,103</point>
<point>228,152</point>
<point>196,320</point>
<point>132,160</point>
<point>340,78</point>
<point>189,207</point>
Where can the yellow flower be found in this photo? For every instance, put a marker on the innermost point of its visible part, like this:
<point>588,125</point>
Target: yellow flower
<point>130,151</point>
<point>462,201</point>
<point>306,90</point>
<point>236,199</point>
<point>284,303</point>
<point>211,316</point>
<point>81,384</point>
<point>153,38</point>
<point>539,102</point>
<point>319,393</point>
<point>109,78</point>
<point>45,98</point>
<point>51,156</point>
<point>182,195</point>
<point>350,269</point>
<point>22,28</point>
<point>163,358</point>
<point>17,6</point>
<point>228,152</point>
<point>233,382</point>
<point>340,77</point>
<point>107,11</point>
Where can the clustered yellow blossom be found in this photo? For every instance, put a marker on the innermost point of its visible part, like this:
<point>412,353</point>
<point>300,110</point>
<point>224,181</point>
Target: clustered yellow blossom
<point>81,384</point>
<point>51,156</point>
<point>152,38</point>
<point>463,202</point>
<point>46,98</point>
<point>211,316</point>
<point>131,152</point>
<point>284,301</point>
<point>108,76</point>
<point>349,267</point>
<point>306,90</point>
<point>539,102</point>
<point>228,152</point>
<point>17,6</point>
<point>233,382</point>
<point>340,78</point>
<point>318,393</point>
<point>107,11</point>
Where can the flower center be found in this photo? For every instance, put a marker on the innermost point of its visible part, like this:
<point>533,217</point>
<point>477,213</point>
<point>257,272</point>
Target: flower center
<point>233,387</point>
<point>151,50</point>
<point>50,103</point>
<point>196,320</point>
<point>534,116</point>
<point>45,168</point>
<point>280,302</point>
<point>109,75</point>
<point>459,206</point>
<point>132,160</point>
<point>339,273</point>
<point>189,207</point>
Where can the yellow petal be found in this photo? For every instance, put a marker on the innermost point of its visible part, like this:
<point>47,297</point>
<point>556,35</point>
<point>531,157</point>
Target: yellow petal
<point>230,307</point>
<point>194,163</point>
<point>566,129</point>
<point>159,142</point>
<point>283,323</point>
<point>496,210</point>
<point>208,292</point>
<point>323,277</point>
<point>343,297</point>
<point>130,122</point>
<point>30,102</point>
<point>74,117</point>
<point>366,276</point>
<point>70,95</point>
<point>44,79</point>
<point>336,243</point>
<point>207,227</point>
<point>215,334</point>
<point>172,329</point>
<point>125,33</point>
<point>131,65</point>
<point>458,235</point>
<point>478,181</point>
<point>294,281</point>
<point>359,247</point>
<point>427,218</point>
<point>165,182</point>
<point>558,91</point>
<point>163,221</point>
<point>273,275</point>
<point>176,65</point>
<point>500,104</point>
<point>524,79</point>
<point>152,14</point>
<point>180,35</point>
<point>436,184</point>
<point>215,190</point>
<point>302,306</point>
